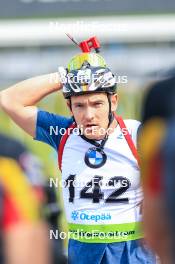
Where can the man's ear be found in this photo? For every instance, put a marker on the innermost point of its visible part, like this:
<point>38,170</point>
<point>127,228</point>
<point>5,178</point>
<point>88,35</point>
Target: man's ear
<point>114,102</point>
<point>69,105</point>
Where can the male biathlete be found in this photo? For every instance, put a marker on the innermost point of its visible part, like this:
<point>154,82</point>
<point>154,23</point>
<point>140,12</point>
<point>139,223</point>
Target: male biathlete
<point>97,157</point>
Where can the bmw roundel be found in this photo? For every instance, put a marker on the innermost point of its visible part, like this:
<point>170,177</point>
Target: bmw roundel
<point>95,158</point>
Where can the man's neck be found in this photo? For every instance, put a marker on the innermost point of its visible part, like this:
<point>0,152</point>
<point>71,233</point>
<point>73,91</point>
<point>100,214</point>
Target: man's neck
<point>109,130</point>
<point>112,126</point>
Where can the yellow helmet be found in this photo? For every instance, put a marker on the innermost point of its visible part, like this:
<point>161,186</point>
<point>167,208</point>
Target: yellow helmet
<point>95,60</point>
<point>87,73</point>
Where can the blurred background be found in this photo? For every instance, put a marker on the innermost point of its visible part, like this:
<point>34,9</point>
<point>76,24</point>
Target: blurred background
<point>137,40</point>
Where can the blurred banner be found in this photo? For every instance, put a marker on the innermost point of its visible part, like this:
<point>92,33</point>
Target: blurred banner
<point>50,8</point>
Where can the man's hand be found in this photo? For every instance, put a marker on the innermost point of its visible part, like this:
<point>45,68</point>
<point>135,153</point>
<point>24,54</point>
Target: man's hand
<point>19,100</point>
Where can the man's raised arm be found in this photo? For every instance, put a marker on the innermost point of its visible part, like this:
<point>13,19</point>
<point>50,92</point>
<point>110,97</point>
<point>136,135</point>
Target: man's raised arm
<point>19,100</point>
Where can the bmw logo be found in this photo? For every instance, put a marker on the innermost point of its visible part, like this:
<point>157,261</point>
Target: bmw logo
<point>95,157</point>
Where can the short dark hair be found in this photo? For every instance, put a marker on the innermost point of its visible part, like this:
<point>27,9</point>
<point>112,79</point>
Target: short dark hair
<point>160,100</point>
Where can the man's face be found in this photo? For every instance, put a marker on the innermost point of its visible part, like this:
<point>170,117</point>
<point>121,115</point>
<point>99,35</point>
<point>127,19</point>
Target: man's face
<point>91,113</point>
